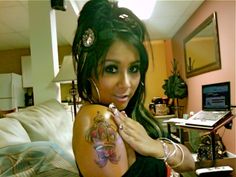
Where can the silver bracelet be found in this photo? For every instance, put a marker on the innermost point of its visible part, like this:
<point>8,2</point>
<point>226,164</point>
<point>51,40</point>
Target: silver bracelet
<point>182,159</point>
<point>167,152</point>
<point>165,149</point>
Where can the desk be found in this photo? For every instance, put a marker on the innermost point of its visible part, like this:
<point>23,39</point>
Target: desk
<point>180,130</point>
<point>210,163</point>
<point>212,131</point>
<point>161,120</point>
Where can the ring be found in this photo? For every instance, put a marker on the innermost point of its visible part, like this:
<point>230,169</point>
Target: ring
<point>121,126</point>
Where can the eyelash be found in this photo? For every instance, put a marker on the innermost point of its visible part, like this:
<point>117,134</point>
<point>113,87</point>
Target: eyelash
<point>112,69</point>
<point>134,69</point>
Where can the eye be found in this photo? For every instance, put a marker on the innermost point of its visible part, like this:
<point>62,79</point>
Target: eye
<point>134,68</point>
<point>111,69</point>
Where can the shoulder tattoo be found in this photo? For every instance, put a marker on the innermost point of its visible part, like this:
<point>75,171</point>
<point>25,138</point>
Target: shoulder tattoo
<point>103,136</point>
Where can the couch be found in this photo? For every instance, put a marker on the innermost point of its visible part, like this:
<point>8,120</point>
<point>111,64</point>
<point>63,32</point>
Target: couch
<point>37,141</point>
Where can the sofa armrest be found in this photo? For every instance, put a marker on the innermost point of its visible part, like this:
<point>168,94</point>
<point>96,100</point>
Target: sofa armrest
<point>12,132</point>
<point>48,121</point>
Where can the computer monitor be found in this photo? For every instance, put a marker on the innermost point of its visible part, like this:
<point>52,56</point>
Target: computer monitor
<point>216,96</point>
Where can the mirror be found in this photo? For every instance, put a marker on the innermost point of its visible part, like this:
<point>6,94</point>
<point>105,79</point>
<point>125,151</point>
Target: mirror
<point>201,48</point>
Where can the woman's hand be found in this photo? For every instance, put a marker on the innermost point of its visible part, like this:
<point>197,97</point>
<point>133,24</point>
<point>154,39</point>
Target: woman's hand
<point>134,134</point>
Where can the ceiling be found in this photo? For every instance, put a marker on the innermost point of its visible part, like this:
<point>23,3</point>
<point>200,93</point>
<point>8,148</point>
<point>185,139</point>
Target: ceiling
<point>166,20</point>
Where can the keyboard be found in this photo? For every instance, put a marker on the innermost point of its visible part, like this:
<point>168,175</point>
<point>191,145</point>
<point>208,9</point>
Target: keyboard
<point>210,115</point>
<point>206,118</point>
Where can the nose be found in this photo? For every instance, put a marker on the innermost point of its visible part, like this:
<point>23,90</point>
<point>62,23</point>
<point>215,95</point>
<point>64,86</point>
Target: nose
<point>124,80</point>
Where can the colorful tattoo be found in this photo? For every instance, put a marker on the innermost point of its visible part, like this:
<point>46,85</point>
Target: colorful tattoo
<point>103,137</point>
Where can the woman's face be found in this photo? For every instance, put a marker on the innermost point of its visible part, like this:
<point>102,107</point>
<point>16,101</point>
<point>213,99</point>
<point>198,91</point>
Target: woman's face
<point>119,77</point>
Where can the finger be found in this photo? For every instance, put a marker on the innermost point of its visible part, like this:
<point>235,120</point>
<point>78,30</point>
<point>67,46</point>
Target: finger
<point>124,113</point>
<point>128,139</point>
<point>117,114</point>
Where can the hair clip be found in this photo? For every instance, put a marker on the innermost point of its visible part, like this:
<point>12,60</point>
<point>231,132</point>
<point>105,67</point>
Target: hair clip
<point>88,38</point>
<point>123,16</point>
<point>133,24</point>
<point>128,20</point>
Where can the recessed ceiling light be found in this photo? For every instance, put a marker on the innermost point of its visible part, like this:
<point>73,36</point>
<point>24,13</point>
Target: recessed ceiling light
<point>143,9</point>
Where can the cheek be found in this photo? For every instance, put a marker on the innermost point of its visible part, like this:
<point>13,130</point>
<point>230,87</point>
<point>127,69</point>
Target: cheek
<point>106,85</point>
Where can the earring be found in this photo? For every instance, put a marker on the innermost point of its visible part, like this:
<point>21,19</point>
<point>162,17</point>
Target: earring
<point>91,81</point>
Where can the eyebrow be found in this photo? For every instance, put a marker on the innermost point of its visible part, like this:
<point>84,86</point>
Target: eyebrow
<point>116,61</point>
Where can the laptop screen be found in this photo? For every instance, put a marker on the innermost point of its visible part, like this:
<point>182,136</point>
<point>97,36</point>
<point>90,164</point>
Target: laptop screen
<point>216,96</point>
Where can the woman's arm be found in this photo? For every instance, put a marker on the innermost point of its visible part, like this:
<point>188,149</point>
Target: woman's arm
<point>98,148</point>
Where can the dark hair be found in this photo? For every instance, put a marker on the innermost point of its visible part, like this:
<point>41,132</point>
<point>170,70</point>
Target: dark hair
<point>100,24</point>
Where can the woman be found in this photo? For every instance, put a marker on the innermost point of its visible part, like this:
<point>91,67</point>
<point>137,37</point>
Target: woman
<point>114,135</point>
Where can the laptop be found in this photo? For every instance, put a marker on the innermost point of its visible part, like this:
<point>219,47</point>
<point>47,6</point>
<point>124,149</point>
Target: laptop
<point>215,106</point>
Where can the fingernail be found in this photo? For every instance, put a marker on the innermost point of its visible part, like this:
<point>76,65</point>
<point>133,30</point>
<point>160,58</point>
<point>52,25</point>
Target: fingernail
<point>113,108</point>
<point>124,113</point>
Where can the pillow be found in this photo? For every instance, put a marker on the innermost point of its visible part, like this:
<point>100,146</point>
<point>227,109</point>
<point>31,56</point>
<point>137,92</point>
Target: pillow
<point>48,121</point>
<point>12,132</point>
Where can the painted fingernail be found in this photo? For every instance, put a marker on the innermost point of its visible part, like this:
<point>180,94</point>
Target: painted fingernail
<point>113,108</point>
<point>124,113</point>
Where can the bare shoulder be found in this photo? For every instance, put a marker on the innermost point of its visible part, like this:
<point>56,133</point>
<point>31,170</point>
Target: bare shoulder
<point>91,110</point>
<point>97,144</point>
<point>93,114</point>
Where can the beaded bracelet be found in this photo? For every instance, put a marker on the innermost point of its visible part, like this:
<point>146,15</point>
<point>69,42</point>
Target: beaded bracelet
<point>182,159</point>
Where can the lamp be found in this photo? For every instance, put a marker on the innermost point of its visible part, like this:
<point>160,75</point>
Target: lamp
<point>66,74</point>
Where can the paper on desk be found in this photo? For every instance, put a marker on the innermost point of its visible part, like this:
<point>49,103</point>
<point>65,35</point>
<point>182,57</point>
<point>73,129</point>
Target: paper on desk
<point>175,120</point>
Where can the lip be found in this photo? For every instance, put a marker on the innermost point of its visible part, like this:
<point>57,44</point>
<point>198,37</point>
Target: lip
<point>122,98</point>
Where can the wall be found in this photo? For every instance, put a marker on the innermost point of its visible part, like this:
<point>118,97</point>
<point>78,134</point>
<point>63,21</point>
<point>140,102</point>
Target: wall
<point>10,60</point>
<point>226,27</point>
<point>157,71</point>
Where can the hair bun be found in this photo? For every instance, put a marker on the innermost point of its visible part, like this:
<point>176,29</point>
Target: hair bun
<point>101,15</point>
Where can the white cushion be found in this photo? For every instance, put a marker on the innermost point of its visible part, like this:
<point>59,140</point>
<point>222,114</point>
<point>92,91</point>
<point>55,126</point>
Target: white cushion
<point>12,132</point>
<point>47,121</point>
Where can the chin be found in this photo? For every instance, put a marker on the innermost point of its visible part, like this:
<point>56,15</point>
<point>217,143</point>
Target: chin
<point>121,106</point>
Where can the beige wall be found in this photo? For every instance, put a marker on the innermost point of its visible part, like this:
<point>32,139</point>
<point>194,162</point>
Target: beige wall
<point>157,70</point>
<point>226,25</point>
<point>65,92</point>
<point>10,60</point>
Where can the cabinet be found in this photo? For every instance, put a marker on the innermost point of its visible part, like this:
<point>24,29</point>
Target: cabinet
<point>26,71</point>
